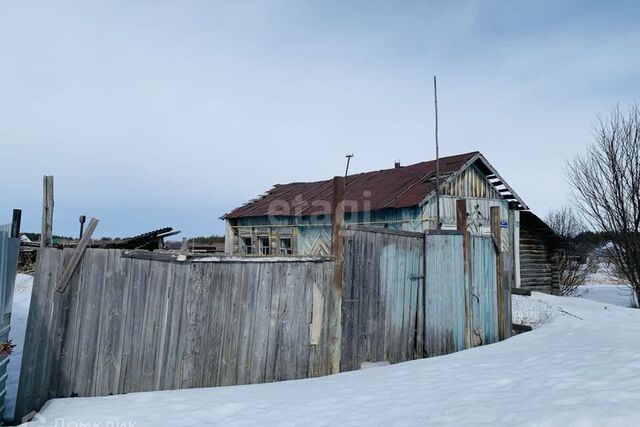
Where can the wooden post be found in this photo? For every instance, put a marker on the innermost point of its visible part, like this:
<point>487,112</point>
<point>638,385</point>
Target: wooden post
<point>46,235</point>
<point>77,256</point>
<point>496,236</point>
<point>337,250</point>
<point>15,223</point>
<point>461,225</point>
<point>337,221</point>
<point>82,220</point>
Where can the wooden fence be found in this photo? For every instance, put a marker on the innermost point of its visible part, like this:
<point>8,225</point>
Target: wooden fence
<point>127,324</point>
<point>9,249</point>
<point>381,315</point>
<point>409,295</point>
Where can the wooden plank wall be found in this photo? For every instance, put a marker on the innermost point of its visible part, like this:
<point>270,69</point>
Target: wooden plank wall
<point>9,252</point>
<point>484,291</point>
<point>538,271</point>
<point>382,295</point>
<point>446,290</point>
<point>127,324</point>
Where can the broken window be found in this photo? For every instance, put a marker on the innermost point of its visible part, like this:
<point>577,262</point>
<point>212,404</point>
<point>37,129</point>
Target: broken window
<point>247,245</point>
<point>265,248</point>
<point>285,246</point>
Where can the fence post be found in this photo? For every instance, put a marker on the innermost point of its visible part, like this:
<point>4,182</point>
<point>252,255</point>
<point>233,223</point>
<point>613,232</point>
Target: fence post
<point>461,225</point>
<point>46,235</point>
<point>497,238</point>
<point>15,223</point>
<point>337,250</point>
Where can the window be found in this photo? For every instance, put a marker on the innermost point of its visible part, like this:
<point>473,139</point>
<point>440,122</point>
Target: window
<point>285,246</point>
<point>247,246</point>
<point>263,244</point>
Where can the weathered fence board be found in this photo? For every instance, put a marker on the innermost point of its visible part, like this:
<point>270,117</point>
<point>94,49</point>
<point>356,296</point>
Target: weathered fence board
<point>445,294</point>
<point>126,324</point>
<point>382,287</point>
<point>9,248</point>
<point>484,291</point>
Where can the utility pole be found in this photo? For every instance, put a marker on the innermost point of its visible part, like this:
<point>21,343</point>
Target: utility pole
<point>435,99</point>
<point>348,156</point>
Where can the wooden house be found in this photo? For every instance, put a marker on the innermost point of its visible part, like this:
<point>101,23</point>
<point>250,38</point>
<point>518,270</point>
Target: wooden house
<point>294,219</point>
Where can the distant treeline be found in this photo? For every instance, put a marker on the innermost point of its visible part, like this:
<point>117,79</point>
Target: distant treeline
<point>592,239</point>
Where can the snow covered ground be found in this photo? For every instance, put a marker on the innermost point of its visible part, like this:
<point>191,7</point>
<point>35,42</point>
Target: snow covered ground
<point>610,294</point>
<point>581,368</point>
<point>19,312</point>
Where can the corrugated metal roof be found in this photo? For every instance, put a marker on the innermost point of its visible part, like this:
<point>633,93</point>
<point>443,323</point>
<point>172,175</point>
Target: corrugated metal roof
<point>399,187</point>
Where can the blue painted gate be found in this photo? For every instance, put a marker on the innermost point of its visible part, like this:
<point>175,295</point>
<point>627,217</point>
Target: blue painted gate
<point>445,293</point>
<point>408,295</point>
<point>461,302</point>
<point>484,290</point>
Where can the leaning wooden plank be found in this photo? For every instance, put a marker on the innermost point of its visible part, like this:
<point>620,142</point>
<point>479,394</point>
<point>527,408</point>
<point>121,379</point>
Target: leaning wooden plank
<point>77,255</point>
<point>316,320</point>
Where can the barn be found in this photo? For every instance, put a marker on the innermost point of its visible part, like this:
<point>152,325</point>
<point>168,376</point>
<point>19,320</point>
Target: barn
<point>295,219</point>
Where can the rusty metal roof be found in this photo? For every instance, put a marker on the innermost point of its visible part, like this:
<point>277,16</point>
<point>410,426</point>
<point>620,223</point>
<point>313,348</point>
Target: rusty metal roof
<point>399,187</point>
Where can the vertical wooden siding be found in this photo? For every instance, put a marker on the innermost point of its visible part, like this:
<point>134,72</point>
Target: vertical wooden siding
<point>382,295</point>
<point>9,248</point>
<point>484,291</point>
<point>126,325</point>
<point>445,324</point>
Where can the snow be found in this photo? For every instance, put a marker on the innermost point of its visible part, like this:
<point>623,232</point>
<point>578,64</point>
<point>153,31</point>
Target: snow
<point>609,294</point>
<point>578,369</point>
<point>19,313</point>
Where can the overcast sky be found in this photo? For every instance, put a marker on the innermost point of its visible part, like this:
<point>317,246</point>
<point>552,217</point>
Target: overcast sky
<point>170,113</point>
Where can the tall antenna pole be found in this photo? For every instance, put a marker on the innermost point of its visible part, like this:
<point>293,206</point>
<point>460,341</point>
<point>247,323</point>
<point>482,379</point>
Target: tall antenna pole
<point>348,156</point>
<point>435,99</point>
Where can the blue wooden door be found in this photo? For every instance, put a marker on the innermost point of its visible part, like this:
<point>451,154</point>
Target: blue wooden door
<point>484,298</point>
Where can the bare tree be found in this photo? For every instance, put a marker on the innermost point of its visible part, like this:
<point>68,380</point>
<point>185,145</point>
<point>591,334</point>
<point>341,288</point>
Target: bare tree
<point>605,182</point>
<point>575,265</point>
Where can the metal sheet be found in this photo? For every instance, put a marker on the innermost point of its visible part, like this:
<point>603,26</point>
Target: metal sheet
<point>390,188</point>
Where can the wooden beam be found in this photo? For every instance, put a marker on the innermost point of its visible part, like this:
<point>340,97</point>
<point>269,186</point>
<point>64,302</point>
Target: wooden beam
<point>337,249</point>
<point>337,216</point>
<point>77,256</point>
<point>46,234</point>
<point>520,291</point>
<point>461,225</point>
<point>496,236</point>
<point>391,231</point>
<point>15,223</point>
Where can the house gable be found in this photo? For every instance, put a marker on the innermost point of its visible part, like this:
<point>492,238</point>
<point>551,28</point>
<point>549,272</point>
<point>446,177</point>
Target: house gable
<point>477,179</point>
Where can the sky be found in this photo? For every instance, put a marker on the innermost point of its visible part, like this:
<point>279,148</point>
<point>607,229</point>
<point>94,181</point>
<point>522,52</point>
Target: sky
<point>171,113</point>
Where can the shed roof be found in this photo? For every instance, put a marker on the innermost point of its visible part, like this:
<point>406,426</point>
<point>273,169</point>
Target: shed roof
<point>399,187</point>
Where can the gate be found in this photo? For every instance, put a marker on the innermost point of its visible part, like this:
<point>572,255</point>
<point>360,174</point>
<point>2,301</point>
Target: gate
<point>484,291</point>
<point>446,299</point>
<point>382,296</point>
<point>409,295</point>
